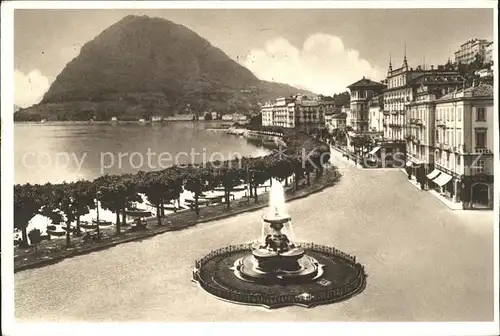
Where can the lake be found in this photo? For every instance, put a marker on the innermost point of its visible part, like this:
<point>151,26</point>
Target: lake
<point>59,151</point>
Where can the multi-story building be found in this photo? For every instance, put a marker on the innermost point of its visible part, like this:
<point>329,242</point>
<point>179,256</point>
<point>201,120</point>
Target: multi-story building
<point>335,120</point>
<point>293,112</point>
<point>470,49</point>
<point>397,96</point>
<point>361,93</point>
<point>420,120</point>
<point>347,111</point>
<point>488,53</point>
<point>267,114</point>
<point>376,114</point>
<point>464,146</point>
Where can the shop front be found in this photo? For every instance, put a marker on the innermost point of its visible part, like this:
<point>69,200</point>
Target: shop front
<point>477,191</point>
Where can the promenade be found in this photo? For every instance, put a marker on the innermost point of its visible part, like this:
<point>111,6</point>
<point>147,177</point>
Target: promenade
<point>424,262</point>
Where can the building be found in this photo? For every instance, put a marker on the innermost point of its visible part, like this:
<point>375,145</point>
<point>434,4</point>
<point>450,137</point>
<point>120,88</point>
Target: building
<point>335,120</point>
<point>397,95</point>
<point>402,84</point>
<point>420,120</point>
<point>471,49</point>
<point>488,53</point>
<point>295,112</point>
<point>361,93</point>
<point>180,117</point>
<point>464,147</point>
<point>376,113</point>
<point>267,114</point>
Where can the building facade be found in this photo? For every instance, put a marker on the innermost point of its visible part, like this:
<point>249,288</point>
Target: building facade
<point>420,120</point>
<point>361,93</point>
<point>335,120</point>
<point>296,112</point>
<point>488,53</point>
<point>267,114</point>
<point>464,147</point>
<point>376,114</point>
<point>397,96</point>
<point>470,50</point>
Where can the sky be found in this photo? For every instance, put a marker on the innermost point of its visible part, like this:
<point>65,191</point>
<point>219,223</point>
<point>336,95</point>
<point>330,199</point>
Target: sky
<point>322,50</point>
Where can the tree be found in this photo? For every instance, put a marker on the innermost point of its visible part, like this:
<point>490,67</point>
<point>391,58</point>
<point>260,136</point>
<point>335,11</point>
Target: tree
<point>28,200</point>
<point>228,177</point>
<point>83,194</point>
<point>130,195</point>
<point>208,116</point>
<point>259,173</point>
<point>197,181</point>
<point>150,184</point>
<point>111,192</point>
<point>35,237</point>
<point>61,198</point>
<point>172,182</point>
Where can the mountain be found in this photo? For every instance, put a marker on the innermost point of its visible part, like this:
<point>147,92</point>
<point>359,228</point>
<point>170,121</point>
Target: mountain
<point>143,66</point>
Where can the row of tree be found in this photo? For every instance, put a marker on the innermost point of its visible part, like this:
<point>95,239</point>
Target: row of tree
<point>120,192</point>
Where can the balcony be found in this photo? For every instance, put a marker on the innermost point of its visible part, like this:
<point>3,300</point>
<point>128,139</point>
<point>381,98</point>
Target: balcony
<point>440,123</point>
<point>394,112</point>
<point>386,112</point>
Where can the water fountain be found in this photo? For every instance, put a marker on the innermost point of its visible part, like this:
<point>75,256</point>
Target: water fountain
<point>275,258</point>
<point>277,271</point>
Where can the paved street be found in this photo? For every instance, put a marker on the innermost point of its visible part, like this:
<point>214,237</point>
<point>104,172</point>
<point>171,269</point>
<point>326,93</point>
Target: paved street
<point>424,262</point>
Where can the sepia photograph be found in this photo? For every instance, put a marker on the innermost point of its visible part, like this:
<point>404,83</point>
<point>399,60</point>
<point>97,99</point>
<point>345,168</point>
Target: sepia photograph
<point>250,161</point>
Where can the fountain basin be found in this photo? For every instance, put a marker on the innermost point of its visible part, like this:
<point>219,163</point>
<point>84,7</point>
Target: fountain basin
<point>266,267</point>
<point>338,278</point>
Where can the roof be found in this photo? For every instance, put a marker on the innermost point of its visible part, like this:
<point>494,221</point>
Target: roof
<point>481,90</point>
<point>365,82</point>
<point>340,115</point>
<point>437,78</point>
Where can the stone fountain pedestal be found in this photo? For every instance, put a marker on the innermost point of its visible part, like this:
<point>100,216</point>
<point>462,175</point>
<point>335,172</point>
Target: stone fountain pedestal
<point>277,260</point>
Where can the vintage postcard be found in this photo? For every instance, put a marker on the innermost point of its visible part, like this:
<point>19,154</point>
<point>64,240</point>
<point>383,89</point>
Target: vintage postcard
<point>169,163</point>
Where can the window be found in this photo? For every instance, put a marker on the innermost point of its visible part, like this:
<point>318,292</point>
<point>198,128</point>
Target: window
<point>453,114</point>
<point>478,167</point>
<point>459,114</point>
<point>480,114</point>
<point>480,136</point>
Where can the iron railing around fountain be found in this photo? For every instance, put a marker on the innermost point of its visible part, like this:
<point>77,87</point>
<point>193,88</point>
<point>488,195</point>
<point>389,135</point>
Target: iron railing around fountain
<point>332,295</point>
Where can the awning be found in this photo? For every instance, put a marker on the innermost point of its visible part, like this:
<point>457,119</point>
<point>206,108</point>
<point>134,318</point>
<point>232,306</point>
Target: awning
<point>374,150</point>
<point>442,179</point>
<point>433,174</point>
